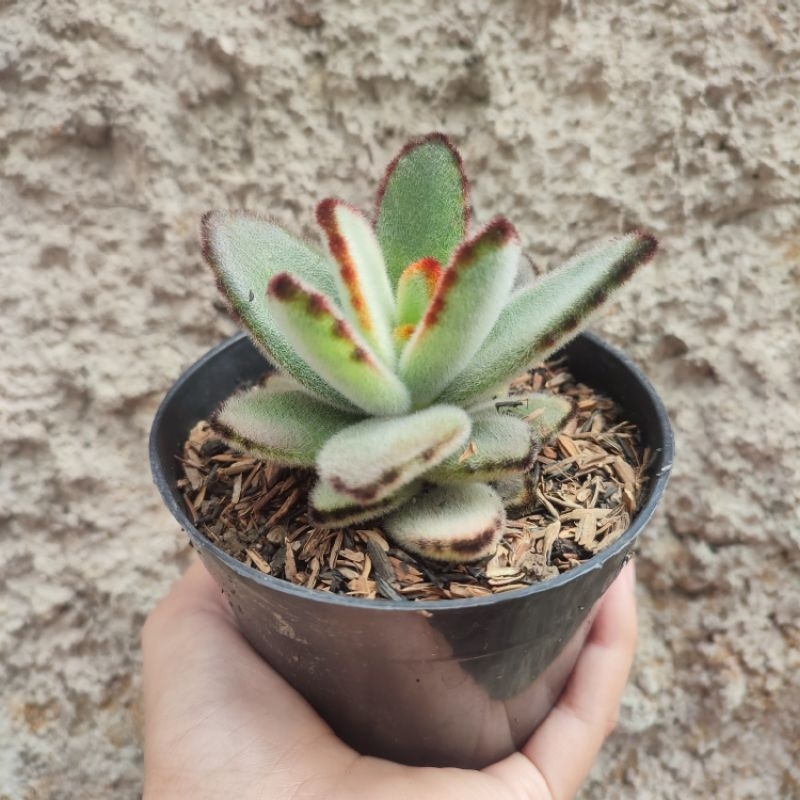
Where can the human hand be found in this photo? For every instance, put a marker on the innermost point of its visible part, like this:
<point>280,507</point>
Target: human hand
<point>220,723</point>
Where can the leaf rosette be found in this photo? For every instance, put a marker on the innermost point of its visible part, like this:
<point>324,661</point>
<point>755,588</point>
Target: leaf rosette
<point>395,346</point>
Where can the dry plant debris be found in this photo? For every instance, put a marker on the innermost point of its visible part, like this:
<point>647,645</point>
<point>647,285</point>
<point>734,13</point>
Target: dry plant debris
<point>588,484</point>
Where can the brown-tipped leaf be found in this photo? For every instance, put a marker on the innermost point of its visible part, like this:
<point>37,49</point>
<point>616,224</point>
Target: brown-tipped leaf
<point>330,508</point>
<point>245,252</point>
<point>498,446</point>
<point>450,523</point>
<point>323,338</point>
<point>364,289</point>
<point>279,423</point>
<point>464,307</point>
<point>540,319</point>
<point>423,204</point>
<point>374,458</point>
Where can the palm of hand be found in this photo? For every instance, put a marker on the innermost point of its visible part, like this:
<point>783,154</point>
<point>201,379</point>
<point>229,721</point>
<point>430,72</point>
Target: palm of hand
<point>219,723</point>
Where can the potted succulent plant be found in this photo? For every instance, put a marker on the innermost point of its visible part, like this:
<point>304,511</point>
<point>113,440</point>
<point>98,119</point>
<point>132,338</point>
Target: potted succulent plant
<point>388,361</point>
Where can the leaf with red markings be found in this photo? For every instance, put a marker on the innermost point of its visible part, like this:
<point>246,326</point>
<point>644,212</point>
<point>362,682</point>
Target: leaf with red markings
<point>364,289</point>
<point>450,523</point>
<point>321,335</point>
<point>423,204</point>
<point>374,458</point>
<point>415,291</point>
<point>540,319</point>
<point>464,307</point>
<point>280,423</point>
<point>245,251</point>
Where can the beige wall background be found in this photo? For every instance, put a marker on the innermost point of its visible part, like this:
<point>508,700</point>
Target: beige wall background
<point>121,122</point>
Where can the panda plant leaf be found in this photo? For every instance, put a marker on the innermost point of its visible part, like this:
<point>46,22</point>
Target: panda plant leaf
<point>394,345</point>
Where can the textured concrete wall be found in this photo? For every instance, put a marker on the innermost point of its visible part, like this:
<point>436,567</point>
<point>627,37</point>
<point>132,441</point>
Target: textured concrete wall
<point>120,122</point>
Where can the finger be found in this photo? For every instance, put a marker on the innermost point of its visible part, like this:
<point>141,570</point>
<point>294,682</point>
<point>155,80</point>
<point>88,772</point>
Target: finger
<point>566,744</point>
<point>196,590</point>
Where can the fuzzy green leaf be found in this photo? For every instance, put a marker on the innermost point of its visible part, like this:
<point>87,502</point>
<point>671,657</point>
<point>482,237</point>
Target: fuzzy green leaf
<point>518,493</point>
<point>540,319</point>
<point>415,291</point>
<point>364,288</point>
<point>546,414</point>
<point>245,252</point>
<point>498,446</point>
<point>464,307</point>
<point>423,204</point>
<point>450,523</point>
<point>321,336</point>
<point>279,423</point>
<point>332,509</point>
<point>373,459</point>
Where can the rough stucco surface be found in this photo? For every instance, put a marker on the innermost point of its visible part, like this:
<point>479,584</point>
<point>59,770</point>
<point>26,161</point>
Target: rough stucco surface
<point>121,122</point>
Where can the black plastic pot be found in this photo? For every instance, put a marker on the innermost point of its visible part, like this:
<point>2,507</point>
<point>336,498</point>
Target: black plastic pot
<point>456,682</point>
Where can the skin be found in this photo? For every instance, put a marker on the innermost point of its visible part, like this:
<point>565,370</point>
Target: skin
<point>219,723</point>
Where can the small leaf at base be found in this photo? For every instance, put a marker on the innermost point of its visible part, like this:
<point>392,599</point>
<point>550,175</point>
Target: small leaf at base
<point>450,523</point>
<point>279,423</point>
<point>546,414</point>
<point>518,493</point>
<point>329,508</point>
<point>499,446</point>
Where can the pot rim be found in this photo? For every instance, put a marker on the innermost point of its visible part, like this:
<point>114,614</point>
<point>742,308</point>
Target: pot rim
<point>643,515</point>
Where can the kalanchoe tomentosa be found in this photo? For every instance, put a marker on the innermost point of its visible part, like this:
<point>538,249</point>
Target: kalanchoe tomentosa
<point>395,349</point>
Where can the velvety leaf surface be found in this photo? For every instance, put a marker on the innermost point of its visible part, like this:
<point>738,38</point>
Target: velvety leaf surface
<point>449,523</point>
<point>498,446</point>
<point>544,413</point>
<point>464,307</point>
<point>518,493</point>
<point>540,319</point>
<point>373,459</point>
<point>415,291</point>
<point>364,289</point>
<point>423,204</point>
<point>320,334</point>
<point>279,423</point>
<point>245,252</point>
<point>333,509</point>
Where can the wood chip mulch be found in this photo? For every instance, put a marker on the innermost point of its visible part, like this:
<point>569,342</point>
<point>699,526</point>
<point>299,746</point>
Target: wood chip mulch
<point>589,481</point>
